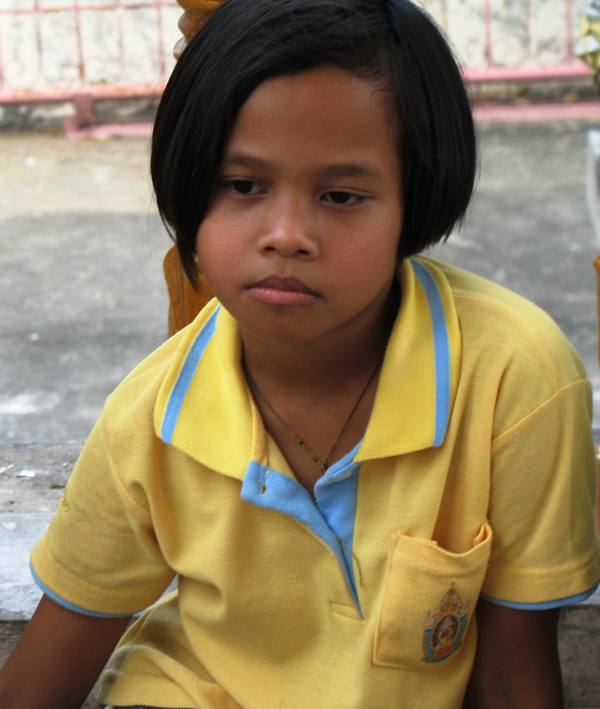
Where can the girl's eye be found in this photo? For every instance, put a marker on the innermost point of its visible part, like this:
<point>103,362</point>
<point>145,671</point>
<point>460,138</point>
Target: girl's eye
<point>244,188</point>
<point>344,199</point>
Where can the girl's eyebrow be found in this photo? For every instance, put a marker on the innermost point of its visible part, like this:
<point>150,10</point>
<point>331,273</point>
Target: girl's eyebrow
<point>364,170</point>
<point>241,160</point>
<point>351,169</point>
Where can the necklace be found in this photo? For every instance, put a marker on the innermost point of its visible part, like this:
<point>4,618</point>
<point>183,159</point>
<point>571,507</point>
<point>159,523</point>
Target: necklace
<point>321,463</point>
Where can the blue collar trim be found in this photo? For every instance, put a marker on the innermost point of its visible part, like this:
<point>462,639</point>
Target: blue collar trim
<point>330,517</point>
<point>185,377</point>
<point>442,352</point>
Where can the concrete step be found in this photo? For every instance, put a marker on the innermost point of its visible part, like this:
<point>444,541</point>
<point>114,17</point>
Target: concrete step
<point>579,632</point>
<point>32,478</point>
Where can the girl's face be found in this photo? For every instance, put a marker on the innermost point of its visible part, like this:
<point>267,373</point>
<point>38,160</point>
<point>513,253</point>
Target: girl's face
<point>301,238</point>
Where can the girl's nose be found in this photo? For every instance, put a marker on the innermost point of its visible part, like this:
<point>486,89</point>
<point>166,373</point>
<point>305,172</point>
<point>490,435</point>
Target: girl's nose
<point>288,230</point>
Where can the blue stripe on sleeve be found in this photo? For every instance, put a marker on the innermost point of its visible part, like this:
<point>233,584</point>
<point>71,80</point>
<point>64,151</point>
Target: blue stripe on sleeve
<point>545,606</point>
<point>71,606</point>
<point>185,377</point>
<point>442,351</point>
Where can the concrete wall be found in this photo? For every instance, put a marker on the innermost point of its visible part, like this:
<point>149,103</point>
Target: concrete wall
<point>117,42</point>
<point>112,43</point>
<point>509,32</point>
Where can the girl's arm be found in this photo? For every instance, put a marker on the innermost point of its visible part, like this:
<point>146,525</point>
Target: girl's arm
<point>58,659</point>
<point>517,664</point>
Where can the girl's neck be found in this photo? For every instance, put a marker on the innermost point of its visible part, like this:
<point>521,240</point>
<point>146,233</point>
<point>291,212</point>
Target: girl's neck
<point>326,364</point>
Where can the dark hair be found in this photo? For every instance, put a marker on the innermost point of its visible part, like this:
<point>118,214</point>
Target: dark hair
<point>245,42</point>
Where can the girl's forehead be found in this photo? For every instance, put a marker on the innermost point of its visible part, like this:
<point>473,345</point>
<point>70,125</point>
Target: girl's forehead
<point>321,115</point>
<point>320,88</point>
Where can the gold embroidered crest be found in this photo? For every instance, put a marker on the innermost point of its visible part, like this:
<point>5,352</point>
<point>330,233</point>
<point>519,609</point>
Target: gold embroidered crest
<point>446,627</point>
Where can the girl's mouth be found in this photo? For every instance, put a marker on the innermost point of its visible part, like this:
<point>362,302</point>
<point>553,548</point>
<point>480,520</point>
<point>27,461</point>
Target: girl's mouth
<point>282,290</point>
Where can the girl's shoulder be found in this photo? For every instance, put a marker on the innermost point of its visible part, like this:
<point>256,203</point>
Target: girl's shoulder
<point>481,296</point>
<point>496,322</point>
<point>513,355</point>
<point>135,398</point>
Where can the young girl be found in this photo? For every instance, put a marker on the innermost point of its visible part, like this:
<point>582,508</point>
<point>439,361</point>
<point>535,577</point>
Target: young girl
<point>371,474</point>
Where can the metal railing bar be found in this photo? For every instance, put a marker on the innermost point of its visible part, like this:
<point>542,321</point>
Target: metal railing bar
<point>82,8</point>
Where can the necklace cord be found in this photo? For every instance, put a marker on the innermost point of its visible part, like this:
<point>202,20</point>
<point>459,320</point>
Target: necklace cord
<point>321,463</point>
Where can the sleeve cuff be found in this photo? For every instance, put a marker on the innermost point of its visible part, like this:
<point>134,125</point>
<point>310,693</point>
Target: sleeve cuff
<point>546,605</point>
<point>71,606</point>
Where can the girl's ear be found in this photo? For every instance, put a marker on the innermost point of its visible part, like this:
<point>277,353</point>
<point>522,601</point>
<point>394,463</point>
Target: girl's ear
<point>196,13</point>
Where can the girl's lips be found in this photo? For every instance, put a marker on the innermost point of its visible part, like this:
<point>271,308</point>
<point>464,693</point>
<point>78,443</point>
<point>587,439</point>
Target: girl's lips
<point>276,290</point>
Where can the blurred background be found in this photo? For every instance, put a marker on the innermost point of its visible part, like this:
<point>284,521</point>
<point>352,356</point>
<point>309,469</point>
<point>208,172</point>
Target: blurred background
<point>64,53</point>
<point>82,298</point>
<point>53,44</point>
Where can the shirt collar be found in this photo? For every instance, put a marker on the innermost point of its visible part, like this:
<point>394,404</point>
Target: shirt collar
<point>204,407</point>
<point>421,368</point>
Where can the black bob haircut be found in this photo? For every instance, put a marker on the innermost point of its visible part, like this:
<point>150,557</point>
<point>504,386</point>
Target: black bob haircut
<point>245,42</point>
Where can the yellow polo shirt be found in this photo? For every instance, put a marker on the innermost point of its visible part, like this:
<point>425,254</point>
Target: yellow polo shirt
<point>475,477</point>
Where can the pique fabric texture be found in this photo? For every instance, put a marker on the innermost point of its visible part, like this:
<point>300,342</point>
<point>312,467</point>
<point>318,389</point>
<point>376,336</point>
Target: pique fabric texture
<point>475,476</point>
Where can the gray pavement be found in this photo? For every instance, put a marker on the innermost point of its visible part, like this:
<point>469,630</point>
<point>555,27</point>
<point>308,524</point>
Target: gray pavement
<point>81,292</point>
<point>82,298</point>
<point>529,227</point>
<point>81,295</point>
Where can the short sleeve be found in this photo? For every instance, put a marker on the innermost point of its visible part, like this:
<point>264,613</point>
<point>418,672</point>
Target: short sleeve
<point>543,486</point>
<point>100,554</point>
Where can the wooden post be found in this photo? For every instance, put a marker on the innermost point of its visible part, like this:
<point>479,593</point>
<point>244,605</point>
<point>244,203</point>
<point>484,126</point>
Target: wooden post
<point>195,14</point>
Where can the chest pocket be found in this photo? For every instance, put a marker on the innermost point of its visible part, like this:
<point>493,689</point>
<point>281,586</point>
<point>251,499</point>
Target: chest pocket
<point>429,600</point>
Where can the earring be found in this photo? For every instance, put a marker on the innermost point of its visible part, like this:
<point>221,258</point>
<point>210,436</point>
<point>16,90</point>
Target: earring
<point>196,261</point>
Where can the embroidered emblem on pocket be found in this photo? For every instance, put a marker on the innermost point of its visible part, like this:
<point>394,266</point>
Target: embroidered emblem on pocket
<point>446,627</point>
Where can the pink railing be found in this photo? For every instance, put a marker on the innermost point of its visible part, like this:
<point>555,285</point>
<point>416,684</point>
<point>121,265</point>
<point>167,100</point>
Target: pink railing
<point>80,77</point>
<point>498,40</point>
